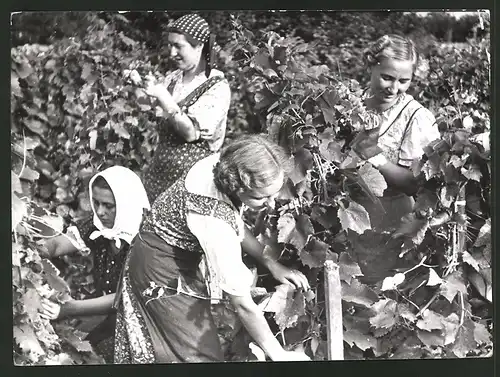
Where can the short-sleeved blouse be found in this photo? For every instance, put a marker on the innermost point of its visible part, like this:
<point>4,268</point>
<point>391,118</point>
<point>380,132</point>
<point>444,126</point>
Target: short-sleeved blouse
<point>173,155</point>
<point>107,264</point>
<point>406,128</point>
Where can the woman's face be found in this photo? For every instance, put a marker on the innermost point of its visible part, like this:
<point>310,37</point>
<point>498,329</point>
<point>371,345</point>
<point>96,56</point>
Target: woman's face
<point>262,197</point>
<point>104,206</point>
<point>185,56</point>
<point>389,79</point>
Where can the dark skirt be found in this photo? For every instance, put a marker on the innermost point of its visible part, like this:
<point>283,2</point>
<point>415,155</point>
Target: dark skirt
<point>102,338</point>
<point>174,328</point>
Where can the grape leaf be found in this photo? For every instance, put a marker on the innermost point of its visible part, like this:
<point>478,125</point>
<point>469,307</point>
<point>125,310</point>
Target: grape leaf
<point>36,126</point>
<point>450,324</point>
<point>452,284</point>
<point>448,194</point>
<point>332,151</point>
<point>15,183</point>
<point>434,278</point>
<point>314,254</point>
<point>473,173</point>
<point>484,236</point>
<point>362,341</point>
<point>412,228</point>
<point>411,348</point>
<point>286,306</point>
<point>19,211</point>
<point>430,321</point>
<point>55,281</point>
<point>326,216</point>
<point>469,259</point>
<point>432,166</point>
<point>303,161</point>
<point>431,338</point>
<point>373,179</point>
<point>465,341</point>
<point>386,316</point>
<point>286,225</point>
<point>426,199</point>
<point>348,268</point>
<point>481,334</point>
<point>120,129</point>
<point>303,230</point>
<point>68,334</point>
<point>29,174</point>
<point>25,337</point>
<point>456,161</point>
<point>354,217</point>
<point>358,293</point>
<point>405,312</point>
<point>31,302</point>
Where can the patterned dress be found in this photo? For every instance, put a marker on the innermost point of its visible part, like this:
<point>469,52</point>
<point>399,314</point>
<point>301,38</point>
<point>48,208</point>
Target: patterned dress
<point>404,130</point>
<point>206,102</point>
<point>176,327</point>
<point>107,266</point>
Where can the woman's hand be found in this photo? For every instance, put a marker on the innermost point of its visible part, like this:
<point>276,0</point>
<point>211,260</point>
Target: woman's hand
<point>288,276</point>
<point>156,90</point>
<point>50,310</point>
<point>160,92</point>
<point>292,356</point>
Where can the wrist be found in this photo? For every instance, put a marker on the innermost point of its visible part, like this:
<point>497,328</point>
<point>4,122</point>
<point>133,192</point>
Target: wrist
<point>378,160</point>
<point>68,309</point>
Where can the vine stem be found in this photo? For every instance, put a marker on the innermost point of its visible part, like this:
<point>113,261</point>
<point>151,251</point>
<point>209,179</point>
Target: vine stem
<point>24,155</point>
<point>429,303</point>
<point>410,301</point>
<point>462,314</point>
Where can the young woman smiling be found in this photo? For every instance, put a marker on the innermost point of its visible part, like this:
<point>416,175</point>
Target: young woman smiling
<point>398,130</point>
<point>195,100</point>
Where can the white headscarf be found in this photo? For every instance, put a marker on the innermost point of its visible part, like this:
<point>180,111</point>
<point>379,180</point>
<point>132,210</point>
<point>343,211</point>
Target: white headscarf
<point>130,198</point>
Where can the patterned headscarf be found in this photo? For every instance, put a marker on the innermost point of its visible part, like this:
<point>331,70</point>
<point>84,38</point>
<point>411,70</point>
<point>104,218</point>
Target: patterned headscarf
<point>198,29</point>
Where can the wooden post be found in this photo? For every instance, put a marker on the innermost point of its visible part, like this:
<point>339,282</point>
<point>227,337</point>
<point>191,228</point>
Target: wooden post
<point>333,303</point>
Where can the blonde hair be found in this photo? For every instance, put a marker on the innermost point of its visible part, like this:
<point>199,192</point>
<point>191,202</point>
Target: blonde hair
<point>393,46</point>
<point>249,162</point>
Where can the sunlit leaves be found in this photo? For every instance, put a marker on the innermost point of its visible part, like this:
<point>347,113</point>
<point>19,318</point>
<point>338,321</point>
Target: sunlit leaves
<point>373,179</point>
<point>354,217</point>
<point>452,285</point>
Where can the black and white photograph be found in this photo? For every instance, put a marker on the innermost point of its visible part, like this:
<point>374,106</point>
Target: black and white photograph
<point>250,186</point>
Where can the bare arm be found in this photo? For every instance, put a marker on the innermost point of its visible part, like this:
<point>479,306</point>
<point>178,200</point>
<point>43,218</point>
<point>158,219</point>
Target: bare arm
<point>399,177</point>
<point>285,275</point>
<point>93,306</point>
<point>255,323</point>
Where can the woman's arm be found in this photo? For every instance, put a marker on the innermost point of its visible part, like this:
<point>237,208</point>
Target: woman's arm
<point>400,177</point>
<point>258,328</point>
<point>253,247</point>
<point>93,306</point>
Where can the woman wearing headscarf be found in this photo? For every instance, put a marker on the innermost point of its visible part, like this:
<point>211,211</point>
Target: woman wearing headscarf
<point>118,201</point>
<point>188,254</point>
<point>195,100</point>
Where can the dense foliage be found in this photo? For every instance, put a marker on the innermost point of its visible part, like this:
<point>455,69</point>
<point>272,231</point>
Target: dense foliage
<point>74,110</point>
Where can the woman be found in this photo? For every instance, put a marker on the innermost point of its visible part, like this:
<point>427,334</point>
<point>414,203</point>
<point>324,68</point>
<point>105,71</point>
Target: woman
<point>195,100</point>
<point>118,199</point>
<point>164,311</point>
<point>398,130</point>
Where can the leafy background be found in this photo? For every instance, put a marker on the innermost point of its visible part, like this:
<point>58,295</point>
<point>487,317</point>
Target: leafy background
<point>297,76</point>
